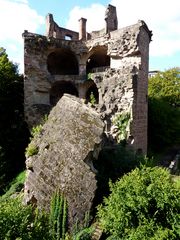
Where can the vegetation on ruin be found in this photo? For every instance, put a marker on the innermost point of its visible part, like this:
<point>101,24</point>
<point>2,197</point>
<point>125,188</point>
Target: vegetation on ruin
<point>92,99</point>
<point>31,150</point>
<point>122,121</point>
<point>36,130</point>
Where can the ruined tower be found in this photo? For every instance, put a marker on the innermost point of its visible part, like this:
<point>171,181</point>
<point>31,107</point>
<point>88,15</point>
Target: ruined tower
<point>110,67</point>
<point>110,63</point>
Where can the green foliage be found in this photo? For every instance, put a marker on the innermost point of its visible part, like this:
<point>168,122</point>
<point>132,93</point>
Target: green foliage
<point>112,164</point>
<point>122,121</point>
<point>83,231</point>
<point>14,134</point>
<point>92,99</point>
<point>84,234</point>
<point>89,76</point>
<point>164,110</point>
<point>144,204</point>
<point>36,130</point>
<point>16,185</point>
<point>164,124</point>
<point>31,150</point>
<point>176,179</point>
<point>165,85</point>
<point>58,217</point>
<point>21,222</point>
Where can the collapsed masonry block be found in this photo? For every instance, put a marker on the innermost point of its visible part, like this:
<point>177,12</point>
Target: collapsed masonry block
<point>68,143</point>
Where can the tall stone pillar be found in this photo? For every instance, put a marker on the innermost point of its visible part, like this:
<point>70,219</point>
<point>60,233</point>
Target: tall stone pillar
<point>82,29</point>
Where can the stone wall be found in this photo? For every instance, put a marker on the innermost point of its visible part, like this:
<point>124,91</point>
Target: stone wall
<point>68,143</point>
<point>53,30</point>
<point>122,86</point>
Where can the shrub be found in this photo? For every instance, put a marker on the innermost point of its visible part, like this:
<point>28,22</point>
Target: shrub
<point>144,204</point>
<point>21,222</point>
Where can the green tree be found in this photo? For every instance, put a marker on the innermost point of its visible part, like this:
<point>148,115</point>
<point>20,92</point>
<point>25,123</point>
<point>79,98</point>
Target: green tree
<point>14,134</point>
<point>143,204</point>
<point>166,85</point>
<point>164,110</point>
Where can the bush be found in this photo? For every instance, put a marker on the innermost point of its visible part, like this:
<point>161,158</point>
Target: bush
<point>144,204</point>
<point>21,222</point>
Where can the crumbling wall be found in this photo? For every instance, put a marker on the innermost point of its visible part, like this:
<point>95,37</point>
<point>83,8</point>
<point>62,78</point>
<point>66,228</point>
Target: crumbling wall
<point>53,30</point>
<point>37,79</point>
<point>123,87</point>
<point>70,140</point>
<point>126,75</point>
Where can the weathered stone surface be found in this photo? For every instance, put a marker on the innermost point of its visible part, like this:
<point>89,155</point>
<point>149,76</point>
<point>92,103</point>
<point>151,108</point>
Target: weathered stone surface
<point>70,139</point>
<point>112,63</point>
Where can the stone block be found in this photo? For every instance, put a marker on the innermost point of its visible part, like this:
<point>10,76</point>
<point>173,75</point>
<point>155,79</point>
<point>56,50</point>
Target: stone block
<point>74,134</point>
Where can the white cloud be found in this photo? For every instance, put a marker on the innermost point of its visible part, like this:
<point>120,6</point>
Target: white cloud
<point>15,17</point>
<point>94,15</point>
<point>162,17</point>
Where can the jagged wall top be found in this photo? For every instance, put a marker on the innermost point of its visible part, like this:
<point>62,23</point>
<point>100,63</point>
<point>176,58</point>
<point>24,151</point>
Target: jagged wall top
<point>53,30</point>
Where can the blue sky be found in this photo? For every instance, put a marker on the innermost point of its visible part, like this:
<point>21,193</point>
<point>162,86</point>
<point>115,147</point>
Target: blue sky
<point>162,17</point>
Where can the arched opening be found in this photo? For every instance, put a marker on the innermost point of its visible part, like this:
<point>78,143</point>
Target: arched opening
<point>98,60</point>
<point>92,94</point>
<point>68,37</point>
<point>62,62</point>
<point>59,88</point>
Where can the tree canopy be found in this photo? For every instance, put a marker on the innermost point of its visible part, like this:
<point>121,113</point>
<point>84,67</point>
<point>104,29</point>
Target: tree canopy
<point>164,110</point>
<point>13,130</point>
<point>166,85</point>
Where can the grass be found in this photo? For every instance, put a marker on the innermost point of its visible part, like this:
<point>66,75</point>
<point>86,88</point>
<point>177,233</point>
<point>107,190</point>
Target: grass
<point>16,185</point>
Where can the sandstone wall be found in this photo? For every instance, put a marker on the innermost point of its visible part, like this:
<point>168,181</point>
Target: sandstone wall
<point>70,140</point>
<point>125,80</point>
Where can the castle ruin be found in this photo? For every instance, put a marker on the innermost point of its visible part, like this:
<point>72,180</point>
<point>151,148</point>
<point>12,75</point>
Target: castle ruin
<point>111,63</point>
<point>112,66</point>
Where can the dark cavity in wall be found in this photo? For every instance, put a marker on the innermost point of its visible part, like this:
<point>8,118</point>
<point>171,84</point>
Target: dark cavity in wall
<point>98,60</point>
<point>59,88</point>
<point>62,62</point>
